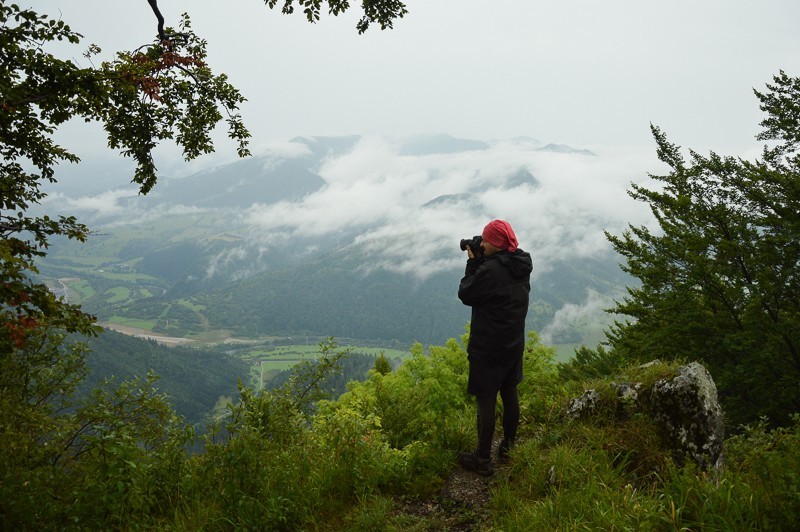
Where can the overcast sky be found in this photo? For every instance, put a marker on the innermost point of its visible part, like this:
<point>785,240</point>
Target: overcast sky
<point>588,73</point>
<point>592,74</point>
<point>579,72</point>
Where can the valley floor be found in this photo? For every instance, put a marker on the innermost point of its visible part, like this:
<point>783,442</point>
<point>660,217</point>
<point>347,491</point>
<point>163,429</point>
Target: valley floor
<point>147,335</point>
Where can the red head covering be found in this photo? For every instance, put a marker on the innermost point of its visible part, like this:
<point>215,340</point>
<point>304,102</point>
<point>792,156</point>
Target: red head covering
<point>499,234</point>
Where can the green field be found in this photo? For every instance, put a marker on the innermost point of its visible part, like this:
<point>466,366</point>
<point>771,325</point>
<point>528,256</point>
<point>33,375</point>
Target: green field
<point>268,361</point>
<point>591,339</point>
<point>191,306</point>
<point>306,352</point>
<point>83,289</point>
<point>118,294</point>
<point>131,322</point>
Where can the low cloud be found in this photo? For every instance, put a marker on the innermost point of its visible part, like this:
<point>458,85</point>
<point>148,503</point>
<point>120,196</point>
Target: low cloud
<point>572,317</point>
<point>407,213</point>
<point>378,195</point>
<point>109,203</point>
<point>229,261</point>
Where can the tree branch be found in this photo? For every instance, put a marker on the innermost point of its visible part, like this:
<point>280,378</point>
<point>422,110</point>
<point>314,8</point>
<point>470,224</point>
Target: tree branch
<point>161,35</point>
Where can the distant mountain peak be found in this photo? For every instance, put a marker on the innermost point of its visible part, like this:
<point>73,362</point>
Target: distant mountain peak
<point>240,184</point>
<point>526,140</point>
<point>563,148</point>
<point>522,177</point>
<point>324,147</point>
<point>449,198</point>
<point>438,144</point>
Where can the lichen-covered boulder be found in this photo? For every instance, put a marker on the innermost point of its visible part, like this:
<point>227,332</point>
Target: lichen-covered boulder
<point>582,405</point>
<point>684,407</point>
<point>688,410</point>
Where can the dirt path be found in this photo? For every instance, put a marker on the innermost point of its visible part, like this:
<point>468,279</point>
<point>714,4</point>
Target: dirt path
<point>462,504</point>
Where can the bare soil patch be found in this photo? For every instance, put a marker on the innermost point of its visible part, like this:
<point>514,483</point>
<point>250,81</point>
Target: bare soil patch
<point>463,504</point>
<point>148,335</point>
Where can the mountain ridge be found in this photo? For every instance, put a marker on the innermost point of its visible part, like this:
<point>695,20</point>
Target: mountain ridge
<point>213,264</point>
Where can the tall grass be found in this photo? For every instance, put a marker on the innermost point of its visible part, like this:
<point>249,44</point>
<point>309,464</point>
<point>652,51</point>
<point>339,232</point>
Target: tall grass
<point>276,463</point>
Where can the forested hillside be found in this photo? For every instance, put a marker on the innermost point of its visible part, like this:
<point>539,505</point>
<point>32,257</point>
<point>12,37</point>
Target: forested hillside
<point>196,381</point>
<point>343,295</point>
<point>335,293</point>
<point>192,379</point>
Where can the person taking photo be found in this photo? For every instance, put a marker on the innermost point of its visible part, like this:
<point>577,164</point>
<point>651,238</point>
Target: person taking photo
<point>496,284</point>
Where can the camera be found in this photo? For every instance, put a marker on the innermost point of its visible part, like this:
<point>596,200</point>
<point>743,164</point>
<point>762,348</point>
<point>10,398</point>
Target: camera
<point>474,244</point>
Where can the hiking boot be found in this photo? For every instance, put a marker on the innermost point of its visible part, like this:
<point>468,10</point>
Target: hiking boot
<point>503,452</point>
<point>470,461</point>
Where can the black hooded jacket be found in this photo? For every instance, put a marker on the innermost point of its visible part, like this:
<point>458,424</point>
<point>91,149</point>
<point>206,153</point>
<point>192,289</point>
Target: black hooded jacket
<point>497,289</point>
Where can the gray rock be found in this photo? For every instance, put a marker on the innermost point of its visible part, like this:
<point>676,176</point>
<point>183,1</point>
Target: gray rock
<point>688,410</point>
<point>685,407</point>
<point>583,405</point>
<point>628,393</point>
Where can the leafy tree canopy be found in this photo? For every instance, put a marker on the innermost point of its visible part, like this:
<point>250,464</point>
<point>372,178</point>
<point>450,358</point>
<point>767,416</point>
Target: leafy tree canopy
<point>382,12</point>
<point>162,91</point>
<point>719,280</point>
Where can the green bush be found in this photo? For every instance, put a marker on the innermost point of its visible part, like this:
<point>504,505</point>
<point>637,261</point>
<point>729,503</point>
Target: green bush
<point>290,459</point>
<point>540,387</point>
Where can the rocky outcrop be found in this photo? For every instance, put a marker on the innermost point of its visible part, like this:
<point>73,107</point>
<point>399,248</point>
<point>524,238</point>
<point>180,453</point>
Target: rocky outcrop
<point>685,407</point>
<point>584,404</point>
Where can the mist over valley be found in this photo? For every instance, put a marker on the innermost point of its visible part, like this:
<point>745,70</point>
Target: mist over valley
<point>352,237</point>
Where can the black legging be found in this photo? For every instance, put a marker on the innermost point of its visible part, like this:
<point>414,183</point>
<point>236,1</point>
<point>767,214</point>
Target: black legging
<point>486,408</point>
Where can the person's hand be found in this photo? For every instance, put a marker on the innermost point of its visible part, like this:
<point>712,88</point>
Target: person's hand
<point>470,254</point>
